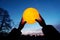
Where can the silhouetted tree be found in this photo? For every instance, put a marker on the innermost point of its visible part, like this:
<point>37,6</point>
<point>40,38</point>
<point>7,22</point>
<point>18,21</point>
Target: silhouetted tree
<point>5,21</point>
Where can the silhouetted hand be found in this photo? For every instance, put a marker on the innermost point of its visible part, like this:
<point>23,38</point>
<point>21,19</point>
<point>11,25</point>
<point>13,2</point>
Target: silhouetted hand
<point>41,21</point>
<point>22,23</point>
<point>16,33</point>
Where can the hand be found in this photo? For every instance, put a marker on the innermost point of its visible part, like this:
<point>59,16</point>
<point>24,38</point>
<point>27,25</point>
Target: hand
<point>22,23</point>
<point>41,21</point>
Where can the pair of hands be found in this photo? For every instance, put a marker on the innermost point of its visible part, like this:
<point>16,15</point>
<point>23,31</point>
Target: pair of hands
<point>40,21</point>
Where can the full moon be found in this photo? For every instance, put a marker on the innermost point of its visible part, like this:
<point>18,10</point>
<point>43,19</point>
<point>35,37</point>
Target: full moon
<point>30,14</point>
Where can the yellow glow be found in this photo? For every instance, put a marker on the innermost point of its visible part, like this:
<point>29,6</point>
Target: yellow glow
<point>30,14</point>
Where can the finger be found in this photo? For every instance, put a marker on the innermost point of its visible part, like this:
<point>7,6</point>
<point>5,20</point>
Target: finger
<point>40,16</point>
<point>36,20</point>
<point>41,19</point>
<point>24,22</point>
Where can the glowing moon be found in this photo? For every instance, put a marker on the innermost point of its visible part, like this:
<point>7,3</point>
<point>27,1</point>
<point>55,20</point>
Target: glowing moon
<point>30,14</point>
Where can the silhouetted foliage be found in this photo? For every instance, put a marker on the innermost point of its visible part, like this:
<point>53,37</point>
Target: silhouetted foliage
<point>5,21</point>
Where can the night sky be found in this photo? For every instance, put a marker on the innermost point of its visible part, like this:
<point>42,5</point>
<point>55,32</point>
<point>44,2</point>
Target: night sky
<point>49,10</point>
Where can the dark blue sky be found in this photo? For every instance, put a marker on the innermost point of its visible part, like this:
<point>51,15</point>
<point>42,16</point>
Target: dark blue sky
<point>49,10</point>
